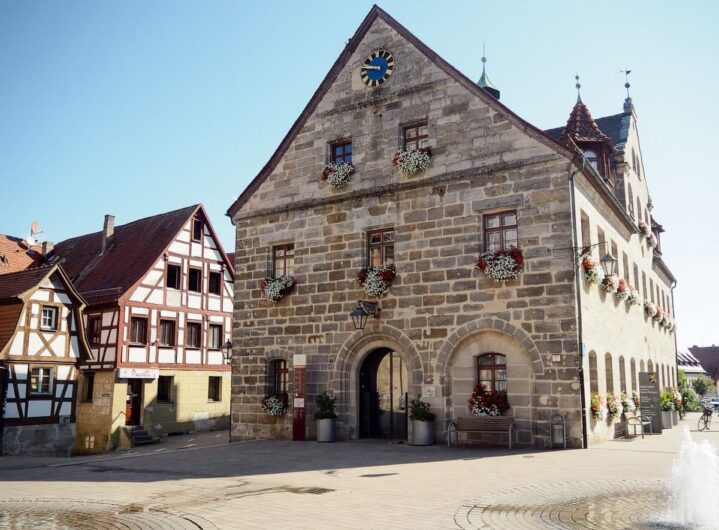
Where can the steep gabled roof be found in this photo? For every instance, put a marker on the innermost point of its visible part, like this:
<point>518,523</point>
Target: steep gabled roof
<point>581,127</point>
<point>377,13</point>
<point>136,246</point>
<point>609,125</point>
<point>15,284</point>
<point>16,255</point>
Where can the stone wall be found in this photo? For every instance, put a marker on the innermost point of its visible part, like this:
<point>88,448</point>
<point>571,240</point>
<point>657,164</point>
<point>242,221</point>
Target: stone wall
<point>53,439</point>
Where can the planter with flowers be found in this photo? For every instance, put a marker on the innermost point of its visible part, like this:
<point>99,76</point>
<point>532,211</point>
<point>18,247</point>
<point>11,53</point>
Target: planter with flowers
<point>412,161</point>
<point>376,281</point>
<point>633,297</point>
<point>614,406</point>
<point>338,175</point>
<point>659,315</point>
<point>652,240</point>
<point>650,309</point>
<point>635,398</point>
<point>628,404</point>
<point>610,284</point>
<point>623,290</point>
<point>644,229</point>
<point>592,271</point>
<point>501,265</point>
<point>598,405</point>
<point>276,404</point>
<point>422,422</point>
<point>273,289</point>
<point>486,403</point>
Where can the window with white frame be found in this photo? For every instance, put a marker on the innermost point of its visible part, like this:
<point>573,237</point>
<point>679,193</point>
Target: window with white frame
<point>49,318</point>
<point>40,380</point>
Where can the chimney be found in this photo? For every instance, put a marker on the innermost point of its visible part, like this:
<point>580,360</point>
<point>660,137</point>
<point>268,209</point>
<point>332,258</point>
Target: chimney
<point>108,230</point>
<point>47,247</point>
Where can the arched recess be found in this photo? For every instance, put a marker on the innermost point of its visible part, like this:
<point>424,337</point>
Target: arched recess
<point>458,371</point>
<point>641,366</point>
<point>633,384</point>
<point>650,366</point>
<point>609,373</point>
<point>345,376</point>
<point>622,375</point>
<point>593,376</point>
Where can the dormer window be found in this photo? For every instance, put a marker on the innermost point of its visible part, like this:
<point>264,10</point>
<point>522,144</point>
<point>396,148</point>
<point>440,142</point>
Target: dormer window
<point>592,158</point>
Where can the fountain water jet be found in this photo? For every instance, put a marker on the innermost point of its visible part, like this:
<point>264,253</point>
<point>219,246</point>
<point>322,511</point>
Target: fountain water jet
<point>695,484</point>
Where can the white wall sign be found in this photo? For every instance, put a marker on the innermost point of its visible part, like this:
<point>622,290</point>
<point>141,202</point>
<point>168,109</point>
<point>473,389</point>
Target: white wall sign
<point>299,359</point>
<point>139,373</point>
<point>429,391</point>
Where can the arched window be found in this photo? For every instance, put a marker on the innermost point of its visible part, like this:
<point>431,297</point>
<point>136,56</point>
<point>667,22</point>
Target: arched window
<point>641,366</point>
<point>630,201</point>
<point>650,366</point>
<point>622,375</point>
<point>640,212</point>
<point>633,372</point>
<point>492,372</point>
<point>609,373</point>
<point>277,376</point>
<point>593,379</point>
<point>591,157</point>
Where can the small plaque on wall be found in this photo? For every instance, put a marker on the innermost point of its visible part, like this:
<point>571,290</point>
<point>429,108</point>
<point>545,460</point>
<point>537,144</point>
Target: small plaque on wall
<point>429,391</point>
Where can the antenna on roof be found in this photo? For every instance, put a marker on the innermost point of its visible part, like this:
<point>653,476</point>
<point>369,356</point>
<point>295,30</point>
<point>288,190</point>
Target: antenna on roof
<point>578,86</point>
<point>30,239</point>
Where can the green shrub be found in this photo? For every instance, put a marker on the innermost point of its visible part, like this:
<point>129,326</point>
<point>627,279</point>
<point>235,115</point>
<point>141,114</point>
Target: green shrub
<point>702,385</point>
<point>666,400</point>
<point>325,407</point>
<point>419,410</point>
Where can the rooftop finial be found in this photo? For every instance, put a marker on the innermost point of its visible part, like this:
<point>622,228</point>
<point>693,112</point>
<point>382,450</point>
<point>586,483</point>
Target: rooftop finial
<point>578,86</point>
<point>626,73</point>
<point>484,81</point>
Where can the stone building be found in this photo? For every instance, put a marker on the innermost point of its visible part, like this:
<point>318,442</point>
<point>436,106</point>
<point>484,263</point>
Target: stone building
<point>494,182</point>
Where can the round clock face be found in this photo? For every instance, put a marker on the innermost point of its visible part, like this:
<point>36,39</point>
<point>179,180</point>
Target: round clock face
<point>377,68</point>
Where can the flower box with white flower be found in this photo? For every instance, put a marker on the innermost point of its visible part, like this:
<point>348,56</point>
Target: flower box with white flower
<point>633,297</point>
<point>644,230</point>
<point>614,406</point>
<point>376,281</point>
<point>650,309</point>
<point>610,284</point>
<point>501,265</point>
<point>275,405</point>
<point>412,161</point>
<point>593,272</point>
<point>338,175</point>
<point>623,290</point>
<point>598,406</point>
<point>273,289</point>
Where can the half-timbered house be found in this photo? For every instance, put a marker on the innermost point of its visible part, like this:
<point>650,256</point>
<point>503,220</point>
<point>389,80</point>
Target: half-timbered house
<point>159,293</point>
<point>42,343</point>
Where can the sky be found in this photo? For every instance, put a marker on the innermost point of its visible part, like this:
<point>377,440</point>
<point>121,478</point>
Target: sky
<point>136,108</point>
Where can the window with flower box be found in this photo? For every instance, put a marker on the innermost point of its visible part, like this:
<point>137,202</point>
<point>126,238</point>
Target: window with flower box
<point>283,260</point>
<point>500,231</point>
<point>492,372</point>
<point>415,136</point>
<point>380,247</point>
<point>341,152</point>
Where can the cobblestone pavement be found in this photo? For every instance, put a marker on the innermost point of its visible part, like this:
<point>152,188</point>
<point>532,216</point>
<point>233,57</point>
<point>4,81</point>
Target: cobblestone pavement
<point>203,482</point>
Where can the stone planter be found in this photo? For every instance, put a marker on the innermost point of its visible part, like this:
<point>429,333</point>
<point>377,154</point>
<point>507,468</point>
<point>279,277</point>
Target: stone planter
<point>675,418</point>
<point>326,430</point>
<point>422,432</point>
<point>666,419</point>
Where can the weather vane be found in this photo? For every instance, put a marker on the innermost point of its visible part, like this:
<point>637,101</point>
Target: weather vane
<point>626,73</point>
<point>578,86</point>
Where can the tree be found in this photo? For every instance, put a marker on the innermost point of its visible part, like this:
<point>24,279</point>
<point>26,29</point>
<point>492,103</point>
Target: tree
<point>702,384</point>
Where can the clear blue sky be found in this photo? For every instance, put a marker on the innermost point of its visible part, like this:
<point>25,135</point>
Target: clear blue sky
<point>135,108</point>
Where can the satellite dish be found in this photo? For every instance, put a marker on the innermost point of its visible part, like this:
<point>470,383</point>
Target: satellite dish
<point>34,228</point>
<point>30,240</point>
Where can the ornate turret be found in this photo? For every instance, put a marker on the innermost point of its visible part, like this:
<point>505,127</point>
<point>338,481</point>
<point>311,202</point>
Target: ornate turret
<point>484,81</point>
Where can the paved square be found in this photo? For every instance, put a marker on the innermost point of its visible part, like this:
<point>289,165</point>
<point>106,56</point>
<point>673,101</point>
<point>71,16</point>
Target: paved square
<point>199,481</point>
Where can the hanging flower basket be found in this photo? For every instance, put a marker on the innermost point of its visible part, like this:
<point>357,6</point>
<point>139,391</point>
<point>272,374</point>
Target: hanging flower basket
<point>376,281</point>
<point>652,240</point>
<point>275,405</point>
<point>413,160</point>
<point>338,175</point>
<point>659,315</point>
<point>623,290</point>
<point>635,398</point>
<point>633,297</point>
<point>644,230</point>
<point>501,265</point>
<point>627,403</point>
<point>485,403</point>
<point>274,289</point>
<point>650,309</point>
<point>592,271</point>
<point>610,284</point>
<point>614,406</point>
<point>598,405</point>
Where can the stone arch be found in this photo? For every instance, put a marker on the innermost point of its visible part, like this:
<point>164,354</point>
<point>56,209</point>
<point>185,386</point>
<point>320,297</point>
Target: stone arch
<point>457,371</point>
<point>345,374</point>
<point>485,324</point>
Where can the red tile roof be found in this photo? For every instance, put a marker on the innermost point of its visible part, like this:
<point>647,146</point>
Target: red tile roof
<point>581,127</point>
<point>14,284</point>
<point>16,255</point>
<point>135,247</point>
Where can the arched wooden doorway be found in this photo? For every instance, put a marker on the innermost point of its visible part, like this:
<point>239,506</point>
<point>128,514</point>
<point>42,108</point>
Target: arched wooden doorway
<point>383,394</point>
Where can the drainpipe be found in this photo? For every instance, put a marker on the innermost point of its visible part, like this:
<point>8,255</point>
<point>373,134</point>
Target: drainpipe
<point>676,346</point>
<point>578,288</point>
<point>3,393</point>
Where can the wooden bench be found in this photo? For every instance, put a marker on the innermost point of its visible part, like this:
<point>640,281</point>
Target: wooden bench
<point>634,420</point>
<point>480,424</point>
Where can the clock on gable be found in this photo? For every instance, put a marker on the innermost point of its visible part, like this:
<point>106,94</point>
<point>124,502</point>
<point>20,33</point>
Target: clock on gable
<point>377,68</point>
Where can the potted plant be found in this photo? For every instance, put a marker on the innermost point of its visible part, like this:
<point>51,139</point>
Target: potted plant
<point>666,402</point>
<point>422,422</point>
<point>326,418</point>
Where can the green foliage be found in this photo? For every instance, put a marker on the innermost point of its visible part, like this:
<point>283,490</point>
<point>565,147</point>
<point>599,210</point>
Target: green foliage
<point>325,407</point>
<point>702,384</point>
<point>666,400</point>
<point>419,410</point>
<point>682,379</point>
<point>690,399</point>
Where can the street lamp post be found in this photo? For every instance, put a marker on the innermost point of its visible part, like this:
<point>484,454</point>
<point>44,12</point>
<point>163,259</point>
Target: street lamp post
<point>227,352</point>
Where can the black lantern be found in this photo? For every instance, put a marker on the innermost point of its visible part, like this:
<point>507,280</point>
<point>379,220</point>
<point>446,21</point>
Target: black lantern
<point>228,351</point>
<point>363,310</point>
<point>609,262</point>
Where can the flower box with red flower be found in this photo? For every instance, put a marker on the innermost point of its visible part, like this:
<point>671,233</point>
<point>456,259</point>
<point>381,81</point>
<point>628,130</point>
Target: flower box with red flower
<point>484,402</point>
<point>376,281</point>
<point>501,265</point>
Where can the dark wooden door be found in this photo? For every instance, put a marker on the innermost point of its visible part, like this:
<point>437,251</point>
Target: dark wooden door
<point>133,403</point>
